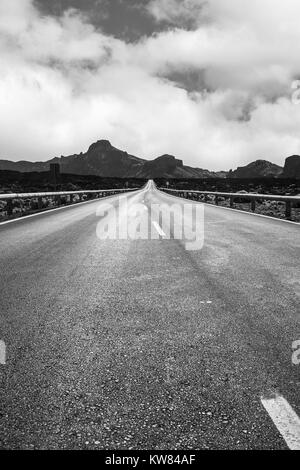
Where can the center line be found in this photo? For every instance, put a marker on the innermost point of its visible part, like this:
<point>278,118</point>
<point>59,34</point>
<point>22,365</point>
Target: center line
<point>159,229</point>
<point>285,419</point>
<point>2,353</point>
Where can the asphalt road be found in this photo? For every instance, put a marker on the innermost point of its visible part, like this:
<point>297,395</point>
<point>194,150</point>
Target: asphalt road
<point>144,344</point>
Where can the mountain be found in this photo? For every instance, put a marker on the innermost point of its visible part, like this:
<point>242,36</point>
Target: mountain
<point>292,167</point>
<point>102,159</point>
<point>23,166</point>
<point>167,166</point>
<point>257,169</point>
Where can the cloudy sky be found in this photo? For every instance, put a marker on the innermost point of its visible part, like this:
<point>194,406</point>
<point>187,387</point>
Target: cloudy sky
<point>208,81</point>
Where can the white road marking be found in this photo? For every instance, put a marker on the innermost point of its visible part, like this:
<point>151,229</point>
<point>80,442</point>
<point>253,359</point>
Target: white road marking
<point>285,419</point>
<point>255,214</point>
<point>159,229</point>
<point>2,353</point>
<point>207,302</point>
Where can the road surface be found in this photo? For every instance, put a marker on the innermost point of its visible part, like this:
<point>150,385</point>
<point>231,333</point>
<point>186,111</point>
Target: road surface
<point>144,344</point>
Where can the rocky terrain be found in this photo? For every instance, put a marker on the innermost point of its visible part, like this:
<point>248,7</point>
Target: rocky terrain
<point>17,182</point>
<point>257,169</point>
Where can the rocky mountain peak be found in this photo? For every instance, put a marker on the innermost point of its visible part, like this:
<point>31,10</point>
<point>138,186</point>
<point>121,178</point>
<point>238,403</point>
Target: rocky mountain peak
<point>257,169</point>
<point>100,145</point>
<point>292,167</point>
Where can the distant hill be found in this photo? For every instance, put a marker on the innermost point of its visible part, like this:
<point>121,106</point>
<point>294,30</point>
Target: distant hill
<point>23,166</point>
<point>167,166</point>
<point>257,169</point>
<point>102,159</point>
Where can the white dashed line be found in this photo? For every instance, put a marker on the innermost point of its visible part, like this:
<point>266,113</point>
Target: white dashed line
<point>159,229</point>
<point>285,419</point>
<point>206,302</point>
<point>2,353</point>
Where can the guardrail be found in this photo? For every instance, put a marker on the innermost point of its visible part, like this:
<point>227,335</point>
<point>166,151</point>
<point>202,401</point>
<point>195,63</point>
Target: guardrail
<point>57,196</point>
<point>289,201</point>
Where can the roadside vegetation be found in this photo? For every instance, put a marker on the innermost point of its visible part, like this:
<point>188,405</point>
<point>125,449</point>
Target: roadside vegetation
<point>16,182</point>
<point>274,186</point>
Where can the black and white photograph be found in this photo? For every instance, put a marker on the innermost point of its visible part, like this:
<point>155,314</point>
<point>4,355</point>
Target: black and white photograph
<point>149,228</point>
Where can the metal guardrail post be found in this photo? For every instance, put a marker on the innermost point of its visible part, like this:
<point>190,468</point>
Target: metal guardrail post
<point>40,203</point>
<point>9,207</point>
<point>217,200</point>
<point>253,205</point>
<point>288,209</point>
<point>231,201</point>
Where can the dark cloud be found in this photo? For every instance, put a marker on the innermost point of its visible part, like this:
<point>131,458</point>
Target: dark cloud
<point>218,95</point>
<point>129,20</point>
<point>124,19</point>
<point>190,80</point>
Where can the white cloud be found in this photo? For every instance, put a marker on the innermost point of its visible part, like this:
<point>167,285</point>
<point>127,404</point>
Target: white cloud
<point>64,84</point>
